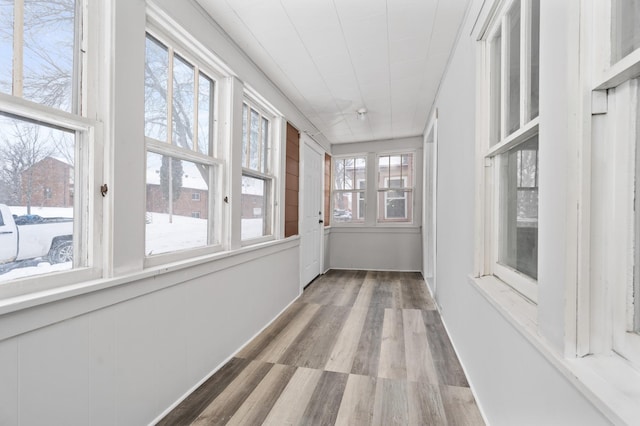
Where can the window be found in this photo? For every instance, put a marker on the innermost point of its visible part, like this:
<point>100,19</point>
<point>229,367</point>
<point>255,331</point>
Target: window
<point>616,175</point>
<point>349,189</point>
<point>42,133</point>
<point>180,140</point>
<point>195,215</point>
<point>512,47</point>
<point>257,175</point>
<point>395,188</point>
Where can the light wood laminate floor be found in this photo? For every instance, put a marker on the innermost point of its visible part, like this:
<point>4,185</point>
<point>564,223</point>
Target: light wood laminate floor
<point>357,348</point>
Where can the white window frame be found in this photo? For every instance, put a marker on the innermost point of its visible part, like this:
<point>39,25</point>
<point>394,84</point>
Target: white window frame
<point>356,191</point>
<point>195,196</point>
<point>488,263</point>
<point>179,44</point>
<point>362,196</point>
<point>381,217</point>
<point>88,158</point>
<point>615,224</point>
<point>269,176</point>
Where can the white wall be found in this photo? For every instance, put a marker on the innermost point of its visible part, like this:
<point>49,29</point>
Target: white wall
<point>380,247</point>
<point>513,382</point>
<point>124,355</point>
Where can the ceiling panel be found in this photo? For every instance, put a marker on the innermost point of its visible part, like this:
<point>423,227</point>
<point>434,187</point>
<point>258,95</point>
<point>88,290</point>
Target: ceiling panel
<point>332,57</point>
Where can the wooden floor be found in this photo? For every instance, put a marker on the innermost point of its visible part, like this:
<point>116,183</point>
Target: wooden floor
<point>357,348</point>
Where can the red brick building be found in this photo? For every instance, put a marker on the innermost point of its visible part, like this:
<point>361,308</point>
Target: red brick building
<point>48,183</point>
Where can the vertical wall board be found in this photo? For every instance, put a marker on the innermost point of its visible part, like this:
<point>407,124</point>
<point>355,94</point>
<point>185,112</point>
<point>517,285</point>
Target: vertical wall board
<point>9,382</point>
<point>53,373</point>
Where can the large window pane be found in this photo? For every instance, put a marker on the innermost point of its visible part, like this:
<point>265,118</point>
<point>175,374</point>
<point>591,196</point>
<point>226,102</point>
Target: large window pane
<point>49,37</point>
<point>183,107</point>
<point>264,146</point>
<point>205,110</point>
<point>518,226</point>
<point>177,204</point>
<point>155,90</point>
<point>513,62</point>
<point>348,206</point>
<point>254,141</point>
<point>6,46</point>
<point>626,28</point>
<point>36,198</point>
<point>496,88</point>
<point>255,221</point>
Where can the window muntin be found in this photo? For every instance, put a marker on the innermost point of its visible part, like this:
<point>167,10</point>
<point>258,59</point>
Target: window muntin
<point>180,164</point>
<point>513,52</point>
<point>37,182</point>
<point>512,58</point>
<point>349,189</point>
<point>44,150</point>
<point>257,178</point>
<point>625,28</point>
<point>395,188</point>
<point>38,53</point>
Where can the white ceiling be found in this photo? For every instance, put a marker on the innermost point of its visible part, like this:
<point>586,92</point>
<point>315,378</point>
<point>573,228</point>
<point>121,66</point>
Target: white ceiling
<point>332,57</point>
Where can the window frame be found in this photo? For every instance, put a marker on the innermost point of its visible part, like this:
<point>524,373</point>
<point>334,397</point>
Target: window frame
<point>269,176</point>
<point>359,193</point>
<point>88,158</point>
<point>381,217</point>
<point>614,220</point>
<point>494,142</point>
<point>203,65</point>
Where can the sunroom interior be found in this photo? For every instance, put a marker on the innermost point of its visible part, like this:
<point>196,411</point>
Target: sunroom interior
<point>175,174</point>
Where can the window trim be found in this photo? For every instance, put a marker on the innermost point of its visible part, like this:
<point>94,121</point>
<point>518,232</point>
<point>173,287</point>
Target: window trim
<point>356,191</point>
<point>182,45</point>
<point>488,223</point>
<point>381,219</point>
<point>270,176</point>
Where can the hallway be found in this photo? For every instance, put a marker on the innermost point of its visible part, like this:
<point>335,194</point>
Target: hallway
<point>356,348</point>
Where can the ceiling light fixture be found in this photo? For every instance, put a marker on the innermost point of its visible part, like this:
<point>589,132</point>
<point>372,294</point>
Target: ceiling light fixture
<point>362,114</point>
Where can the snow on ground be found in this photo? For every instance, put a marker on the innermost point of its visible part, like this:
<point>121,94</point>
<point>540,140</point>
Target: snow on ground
<point>43,211</point>
<point>36,267</point>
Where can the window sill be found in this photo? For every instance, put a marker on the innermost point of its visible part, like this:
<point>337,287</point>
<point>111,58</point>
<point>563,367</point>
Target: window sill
<point>610,383</point>
<point>394,229</point>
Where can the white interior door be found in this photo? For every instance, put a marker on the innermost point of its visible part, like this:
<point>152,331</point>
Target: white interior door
<point>312,226</point>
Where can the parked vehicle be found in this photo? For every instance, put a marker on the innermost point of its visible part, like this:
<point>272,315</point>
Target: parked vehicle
<point>32,236</point>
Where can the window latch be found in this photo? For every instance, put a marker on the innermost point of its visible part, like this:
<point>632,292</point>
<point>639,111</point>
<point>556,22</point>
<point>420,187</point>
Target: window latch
<point>104,189</point>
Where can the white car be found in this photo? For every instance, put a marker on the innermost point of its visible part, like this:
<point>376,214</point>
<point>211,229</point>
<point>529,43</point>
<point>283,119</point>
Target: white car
<point>31,237</point>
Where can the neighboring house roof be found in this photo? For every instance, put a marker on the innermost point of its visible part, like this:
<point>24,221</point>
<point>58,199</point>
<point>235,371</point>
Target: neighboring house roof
<point>191,177</point>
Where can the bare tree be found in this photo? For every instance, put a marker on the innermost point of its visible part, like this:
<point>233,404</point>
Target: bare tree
<point>21,148</point>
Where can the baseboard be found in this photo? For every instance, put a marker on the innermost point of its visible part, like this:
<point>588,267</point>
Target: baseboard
<point>372,270</point>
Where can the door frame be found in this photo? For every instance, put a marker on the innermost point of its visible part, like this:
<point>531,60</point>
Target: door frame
<point>313,145</point>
